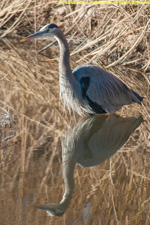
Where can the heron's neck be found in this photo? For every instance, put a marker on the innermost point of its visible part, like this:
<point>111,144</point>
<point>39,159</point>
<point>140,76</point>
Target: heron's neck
<point>64,61</point>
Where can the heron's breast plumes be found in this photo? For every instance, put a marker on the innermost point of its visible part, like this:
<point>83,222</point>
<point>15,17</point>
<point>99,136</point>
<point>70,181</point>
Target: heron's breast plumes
<point>69,95</point>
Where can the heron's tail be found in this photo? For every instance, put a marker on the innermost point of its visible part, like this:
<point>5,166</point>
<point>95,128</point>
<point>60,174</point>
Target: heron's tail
<point>138,96</point>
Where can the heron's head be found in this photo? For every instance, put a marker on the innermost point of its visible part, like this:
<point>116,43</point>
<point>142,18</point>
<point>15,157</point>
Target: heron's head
<point>45,32</point>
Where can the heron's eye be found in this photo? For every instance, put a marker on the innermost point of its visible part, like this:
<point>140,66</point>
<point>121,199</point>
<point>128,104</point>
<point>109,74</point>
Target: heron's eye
<point>48,29</point>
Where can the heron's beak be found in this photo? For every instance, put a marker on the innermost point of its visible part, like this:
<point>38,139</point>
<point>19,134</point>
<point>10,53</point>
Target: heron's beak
<point>33,36</point>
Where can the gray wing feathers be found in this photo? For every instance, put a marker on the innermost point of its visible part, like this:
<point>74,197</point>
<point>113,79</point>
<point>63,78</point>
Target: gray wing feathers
<point>105,89</point>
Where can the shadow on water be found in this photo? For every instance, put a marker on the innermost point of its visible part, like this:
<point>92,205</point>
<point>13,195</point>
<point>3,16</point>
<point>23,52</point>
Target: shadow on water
<point>90,143</point>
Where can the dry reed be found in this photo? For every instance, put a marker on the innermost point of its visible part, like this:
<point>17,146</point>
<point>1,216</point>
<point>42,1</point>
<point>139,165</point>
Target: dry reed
<point>113,36</point>
<point>104,34</point>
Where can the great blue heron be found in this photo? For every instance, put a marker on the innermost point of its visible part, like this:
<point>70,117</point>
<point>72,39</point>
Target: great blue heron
<point>88,87</point>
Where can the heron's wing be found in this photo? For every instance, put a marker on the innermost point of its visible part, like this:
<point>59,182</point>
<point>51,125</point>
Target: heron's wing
<point>104,88</point>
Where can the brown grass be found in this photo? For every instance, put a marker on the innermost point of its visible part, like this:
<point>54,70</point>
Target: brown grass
<point>103,34</point>
<point>113,36</point>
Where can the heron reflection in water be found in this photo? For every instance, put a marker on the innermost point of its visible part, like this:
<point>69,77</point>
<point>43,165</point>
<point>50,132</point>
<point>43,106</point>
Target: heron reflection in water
<point>92,141</point>
<point>88,87</point>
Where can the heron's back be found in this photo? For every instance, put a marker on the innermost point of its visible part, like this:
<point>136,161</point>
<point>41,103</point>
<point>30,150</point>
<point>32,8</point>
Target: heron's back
<point>104,89</point>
